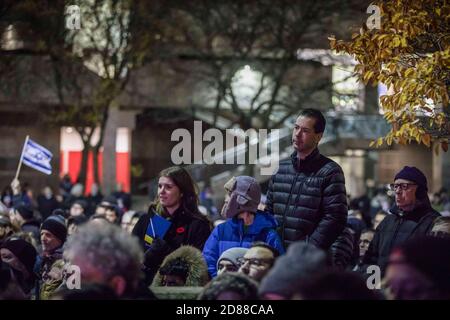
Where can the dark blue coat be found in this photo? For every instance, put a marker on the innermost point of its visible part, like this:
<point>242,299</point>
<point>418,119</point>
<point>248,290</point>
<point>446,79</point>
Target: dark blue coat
<point>231,234</point>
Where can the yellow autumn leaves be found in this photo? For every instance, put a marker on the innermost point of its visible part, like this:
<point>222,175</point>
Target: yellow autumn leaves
<point>410,54</point>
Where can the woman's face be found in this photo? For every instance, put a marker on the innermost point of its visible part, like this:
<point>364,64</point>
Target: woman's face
<point>168,192</point>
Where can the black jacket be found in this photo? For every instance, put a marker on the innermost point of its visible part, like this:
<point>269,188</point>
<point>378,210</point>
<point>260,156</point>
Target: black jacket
<point>395,229</point>
<point>184,230</point>
<point>308,199</point>
<point>46,206</point>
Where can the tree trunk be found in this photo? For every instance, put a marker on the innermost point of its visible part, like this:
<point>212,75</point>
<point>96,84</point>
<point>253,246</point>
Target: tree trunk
<point>82,175</point>
<point>96,152</point>
<point>85,135</point>
<point>99,144</point>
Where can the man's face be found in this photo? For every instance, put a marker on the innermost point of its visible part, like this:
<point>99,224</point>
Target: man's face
<point>100,210</point>
<point>256,262</point>
<point>226,266</point>
<point>405,194</point>
<point>364,242</point>
<point>76,210</point>
<point>304,137</point>
<point>71,229</point>
<point>110,215</point>
<point>49,241</point>
<point>125,221</point>
<point>47,192</point>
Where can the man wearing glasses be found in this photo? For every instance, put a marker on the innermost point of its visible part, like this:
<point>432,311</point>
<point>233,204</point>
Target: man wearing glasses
<point>258,260</point>
<point>412,215</point>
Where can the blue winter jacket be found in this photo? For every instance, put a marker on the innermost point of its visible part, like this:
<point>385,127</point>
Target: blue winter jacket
<point>231,234</point>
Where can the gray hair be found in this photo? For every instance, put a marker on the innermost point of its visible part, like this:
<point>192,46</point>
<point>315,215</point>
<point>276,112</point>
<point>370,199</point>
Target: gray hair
<point>108,248</point>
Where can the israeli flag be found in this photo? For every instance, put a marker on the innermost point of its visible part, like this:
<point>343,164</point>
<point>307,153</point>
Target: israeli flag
<point>37,157</point>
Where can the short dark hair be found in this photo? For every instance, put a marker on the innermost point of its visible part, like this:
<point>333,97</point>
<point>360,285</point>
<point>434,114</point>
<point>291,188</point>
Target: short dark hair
<point>367,230</point>
<point>319,125</point>
<point>265,245</point>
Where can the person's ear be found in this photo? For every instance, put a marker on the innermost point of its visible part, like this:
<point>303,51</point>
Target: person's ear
<point>119,284</point>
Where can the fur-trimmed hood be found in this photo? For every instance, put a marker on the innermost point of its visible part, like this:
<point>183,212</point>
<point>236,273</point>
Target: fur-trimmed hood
<point>198,270</point>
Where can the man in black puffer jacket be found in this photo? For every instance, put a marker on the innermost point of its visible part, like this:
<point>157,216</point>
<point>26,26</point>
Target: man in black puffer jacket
<point>307,195</point>
<point>411,216</point>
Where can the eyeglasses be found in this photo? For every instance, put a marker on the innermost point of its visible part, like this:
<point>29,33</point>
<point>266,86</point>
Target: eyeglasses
<point>401,186</point>
<point>254,262</point>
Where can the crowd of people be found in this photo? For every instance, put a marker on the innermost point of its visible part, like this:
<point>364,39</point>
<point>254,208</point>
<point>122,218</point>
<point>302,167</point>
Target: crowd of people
<point>306,241</point>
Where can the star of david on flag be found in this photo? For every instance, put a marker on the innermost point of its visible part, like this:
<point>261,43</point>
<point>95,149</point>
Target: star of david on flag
<point>37,157</point>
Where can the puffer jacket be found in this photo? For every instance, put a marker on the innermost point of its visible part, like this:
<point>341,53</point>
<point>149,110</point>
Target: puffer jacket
<point>308,198</point>
<point>231,234</point>
<point>341,251</point>
<point>395,229</point>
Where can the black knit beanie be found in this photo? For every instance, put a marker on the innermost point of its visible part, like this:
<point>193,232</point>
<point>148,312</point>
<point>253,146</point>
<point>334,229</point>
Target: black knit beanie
<point>57,226</point>
<point>25,211</point>
<point>415,175</point>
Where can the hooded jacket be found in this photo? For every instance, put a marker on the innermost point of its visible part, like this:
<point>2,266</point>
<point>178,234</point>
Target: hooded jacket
<point>395,229</point>
<point>231,234</point>
<point>197,275</point>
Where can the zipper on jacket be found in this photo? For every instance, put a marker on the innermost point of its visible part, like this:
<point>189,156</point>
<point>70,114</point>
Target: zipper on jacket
<point>283,226</point>
<point>395,232</point>
<point>241,231</point>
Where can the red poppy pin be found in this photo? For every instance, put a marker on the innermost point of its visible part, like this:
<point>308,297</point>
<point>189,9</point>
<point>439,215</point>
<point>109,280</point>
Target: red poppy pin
<point>180,230</point>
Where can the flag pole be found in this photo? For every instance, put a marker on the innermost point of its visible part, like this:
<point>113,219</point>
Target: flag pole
<point>21,158</point>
